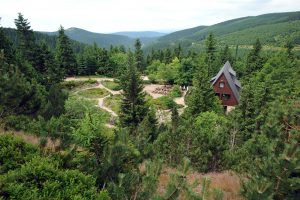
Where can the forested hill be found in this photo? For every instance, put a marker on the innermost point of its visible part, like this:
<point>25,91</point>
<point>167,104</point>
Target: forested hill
<point>106,40</point>
<point>272,29</point>
<point>141,34</point>
<point>50,40</point>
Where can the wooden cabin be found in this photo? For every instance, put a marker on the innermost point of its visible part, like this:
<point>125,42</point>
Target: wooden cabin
<point>227,87</point>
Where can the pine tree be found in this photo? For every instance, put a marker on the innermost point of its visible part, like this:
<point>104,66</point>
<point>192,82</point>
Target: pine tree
<point>139,56</point>
<point>168,56</point>
<point>178,52</point>
<point>225,56</point>
<point>6,47</point>
<point>26,45</point>
<point>210,57</point>
<point>202,97</point>
<point>64,54</point>
<point>254,59</point>
<point>133,107</point>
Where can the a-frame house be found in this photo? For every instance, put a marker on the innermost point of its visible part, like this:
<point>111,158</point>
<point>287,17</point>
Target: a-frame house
<point>227,87</point>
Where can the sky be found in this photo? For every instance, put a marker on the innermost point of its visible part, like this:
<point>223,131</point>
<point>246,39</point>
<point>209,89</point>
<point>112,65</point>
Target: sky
<point>108,16</point>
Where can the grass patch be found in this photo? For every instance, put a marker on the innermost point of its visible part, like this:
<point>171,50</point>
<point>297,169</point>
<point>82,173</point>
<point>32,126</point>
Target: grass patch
<point>112,85</point>
<point>164,103</point>
<point>113,102</point>
<point>71,85</point>
<point>93,93</point>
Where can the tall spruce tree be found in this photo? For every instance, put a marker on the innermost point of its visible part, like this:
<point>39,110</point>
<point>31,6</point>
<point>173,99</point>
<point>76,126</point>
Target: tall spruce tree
<point>6,47</point>
<point>254,59</point>
<point>26,46</point>
<point>225,56</point>
<point>139,56</point>
<point>210,57</point>
<point>202,97</point>
<point>133,107</point>
<point>64,53</point>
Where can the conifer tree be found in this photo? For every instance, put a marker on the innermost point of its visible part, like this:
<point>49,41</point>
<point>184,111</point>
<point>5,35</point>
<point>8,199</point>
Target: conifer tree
<point>6,47</point>
<point>26,45</point>
<point>139,56</point>
<point>225,56</point>
<point>178,52</point>
<point>133,107</point>
<point>210,57</point>
<point>202,97</point>
<point>64,53</point>
<point>254,59</point>
<point>168,56</point>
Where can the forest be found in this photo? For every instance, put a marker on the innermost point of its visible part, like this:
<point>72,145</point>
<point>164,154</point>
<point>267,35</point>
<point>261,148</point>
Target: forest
<point>76,121</point>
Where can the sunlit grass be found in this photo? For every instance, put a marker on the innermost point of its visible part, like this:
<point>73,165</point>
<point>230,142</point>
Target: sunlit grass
<point>93,93</point>
<point>111,85</point>
<point>113,102</point>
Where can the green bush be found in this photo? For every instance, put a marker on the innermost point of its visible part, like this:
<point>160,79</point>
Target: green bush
<point>14,152</point>
<point>17,122</point>
<point>42,179</point>
<point>175,92</point>
<point>164,102</point>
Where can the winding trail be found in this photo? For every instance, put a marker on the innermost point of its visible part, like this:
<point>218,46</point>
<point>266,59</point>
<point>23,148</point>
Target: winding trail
<point>149,88</point>
<point>99,85</point>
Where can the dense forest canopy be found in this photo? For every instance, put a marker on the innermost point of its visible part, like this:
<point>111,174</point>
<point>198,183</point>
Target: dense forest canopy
<point>73,148</point>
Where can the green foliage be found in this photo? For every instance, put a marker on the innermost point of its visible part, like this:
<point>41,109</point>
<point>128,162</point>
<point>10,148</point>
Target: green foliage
<point>111,85</point>
<point>41,178</point>
<point>93,93</point>
<point>210,56</point>
<point>56,99</point>
<point>208,142</point>
<point>64,54</point>
<point>175,92</point>
<point>138,55</point>
<point>164,103</point>
<point>254,59</point>
<point>19,95</point>
<point>150,179</point>
<point>14,152</point>
<point>71,85</point>
<point>113,102</point>
<point>133,107</point>
<point>201,97</point>
<point>272,29</point>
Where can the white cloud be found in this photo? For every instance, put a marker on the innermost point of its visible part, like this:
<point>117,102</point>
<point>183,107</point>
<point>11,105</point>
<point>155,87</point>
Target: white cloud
<point>120,15</point>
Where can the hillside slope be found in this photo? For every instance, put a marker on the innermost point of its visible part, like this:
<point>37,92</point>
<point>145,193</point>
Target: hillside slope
<point>272,29</point>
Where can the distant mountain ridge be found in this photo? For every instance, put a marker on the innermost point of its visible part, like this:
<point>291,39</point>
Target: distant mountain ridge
<point>106,40</point>
<point>272,29</point>
<point>140,34</point>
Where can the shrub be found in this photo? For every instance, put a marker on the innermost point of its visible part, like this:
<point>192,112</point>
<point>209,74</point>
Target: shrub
<point>14,152</point>
<point>164,103</point>
<point>42,179</point>
<point>175,92</point>
<point>17,122</point>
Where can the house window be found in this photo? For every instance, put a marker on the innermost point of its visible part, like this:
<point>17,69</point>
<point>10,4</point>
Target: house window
<point>221,84</point>
<point>225,96</point>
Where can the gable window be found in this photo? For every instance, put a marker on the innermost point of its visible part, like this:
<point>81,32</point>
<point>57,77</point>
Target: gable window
<point>225,96</point>
<point>221,84</point>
